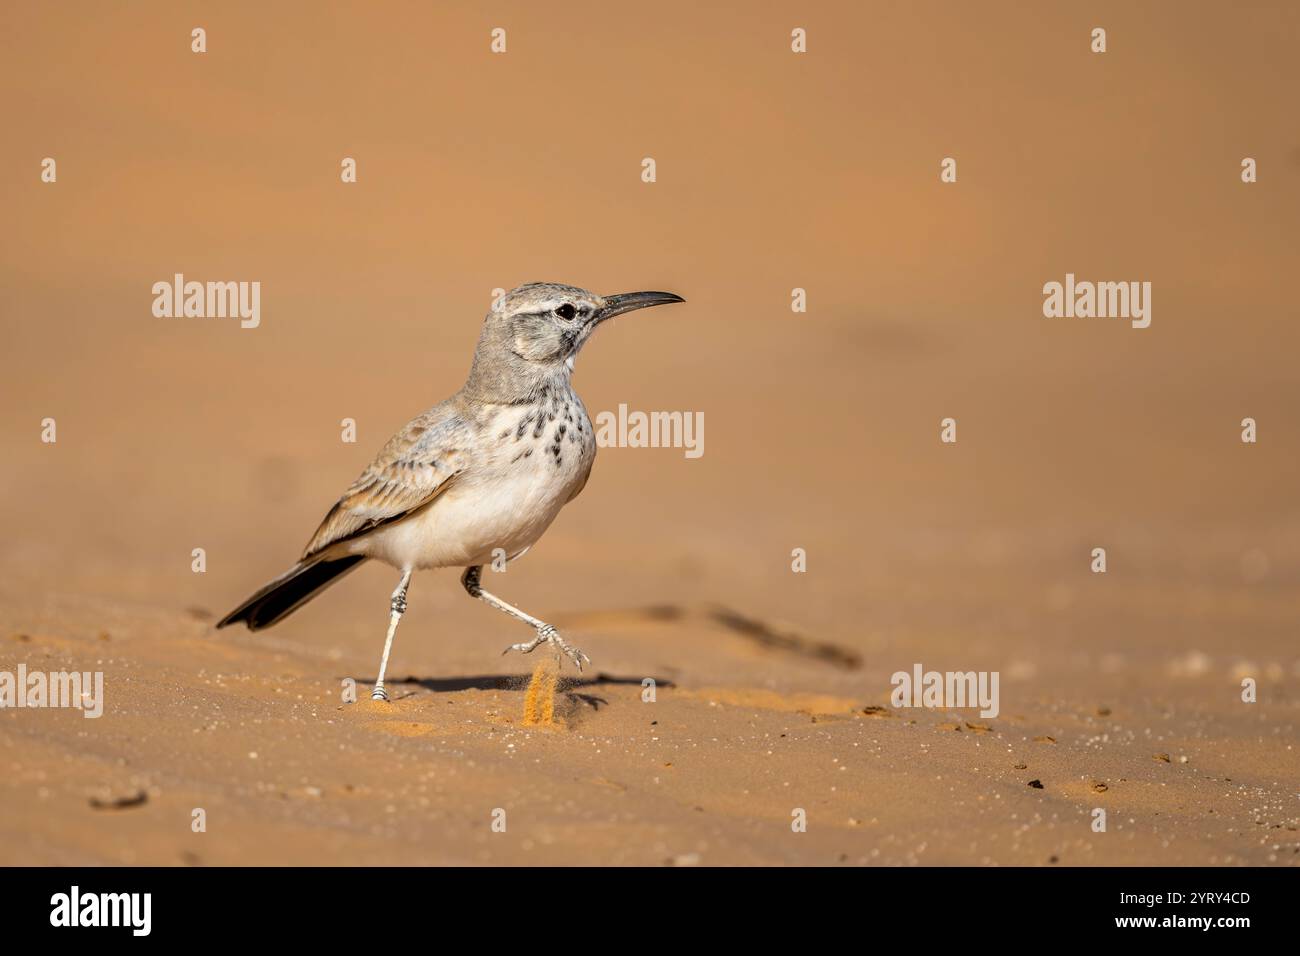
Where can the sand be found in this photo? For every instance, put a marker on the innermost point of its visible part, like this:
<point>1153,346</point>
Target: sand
<point>769,737</point>
<point>254,731</point>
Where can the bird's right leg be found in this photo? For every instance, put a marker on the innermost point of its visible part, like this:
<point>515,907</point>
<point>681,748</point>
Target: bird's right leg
<point>546,633</point>
<point>398,609</point>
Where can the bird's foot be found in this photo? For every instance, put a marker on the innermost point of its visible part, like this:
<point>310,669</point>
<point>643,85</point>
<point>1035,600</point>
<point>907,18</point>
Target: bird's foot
<point>547,634</point>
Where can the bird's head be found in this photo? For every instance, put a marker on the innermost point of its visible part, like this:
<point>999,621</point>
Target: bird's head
<point>547,323</point>
<point>533,334</point>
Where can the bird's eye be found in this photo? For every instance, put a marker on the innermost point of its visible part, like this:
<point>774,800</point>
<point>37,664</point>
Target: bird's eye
<point>566,311</point>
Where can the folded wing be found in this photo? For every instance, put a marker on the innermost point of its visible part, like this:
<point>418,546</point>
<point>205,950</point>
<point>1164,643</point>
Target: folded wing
<point>419,463</point>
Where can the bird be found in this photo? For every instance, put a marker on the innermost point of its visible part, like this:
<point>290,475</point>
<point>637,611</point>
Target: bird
<point>475,479</point>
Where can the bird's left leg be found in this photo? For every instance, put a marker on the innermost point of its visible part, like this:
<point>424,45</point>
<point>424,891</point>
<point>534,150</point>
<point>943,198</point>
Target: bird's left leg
<point>546,633</point>
<point>398,605</point>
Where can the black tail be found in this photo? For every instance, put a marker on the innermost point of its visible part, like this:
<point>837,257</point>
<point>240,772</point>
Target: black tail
<point>290,591</point>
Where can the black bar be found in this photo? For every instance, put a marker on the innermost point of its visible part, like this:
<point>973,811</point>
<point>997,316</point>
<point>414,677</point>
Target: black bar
<point>353,905</point>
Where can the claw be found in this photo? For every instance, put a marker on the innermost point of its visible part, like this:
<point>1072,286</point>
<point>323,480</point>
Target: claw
<point>576,656</point>
<point>547,634</point>
<point>524,648</point>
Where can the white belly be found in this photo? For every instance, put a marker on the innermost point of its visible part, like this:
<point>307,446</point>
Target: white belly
<point>503,504</point>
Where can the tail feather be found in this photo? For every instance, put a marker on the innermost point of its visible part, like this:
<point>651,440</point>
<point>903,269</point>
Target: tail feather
<point>290,591</point>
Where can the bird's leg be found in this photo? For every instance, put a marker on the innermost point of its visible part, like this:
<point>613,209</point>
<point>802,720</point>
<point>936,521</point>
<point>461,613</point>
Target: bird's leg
<point>399,608</point>
<point>546,633</point>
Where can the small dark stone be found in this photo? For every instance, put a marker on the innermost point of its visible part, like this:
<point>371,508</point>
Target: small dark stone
<point>137,799</point>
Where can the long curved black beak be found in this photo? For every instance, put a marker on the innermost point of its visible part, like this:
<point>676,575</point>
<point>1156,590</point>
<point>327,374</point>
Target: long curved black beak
<point>631,301</point>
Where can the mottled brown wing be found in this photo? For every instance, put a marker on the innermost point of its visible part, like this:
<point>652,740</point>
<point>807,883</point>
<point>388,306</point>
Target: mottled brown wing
<point>418,464</point>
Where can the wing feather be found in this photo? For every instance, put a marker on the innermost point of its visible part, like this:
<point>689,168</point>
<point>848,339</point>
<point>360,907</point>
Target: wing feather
<point>419,463</point>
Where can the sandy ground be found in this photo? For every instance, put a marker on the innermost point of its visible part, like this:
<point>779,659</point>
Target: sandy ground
<point>253,730</point>
<point>1120,691</point>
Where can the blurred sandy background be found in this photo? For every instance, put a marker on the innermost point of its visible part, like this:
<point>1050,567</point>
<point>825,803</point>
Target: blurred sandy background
<point>775,170</point>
